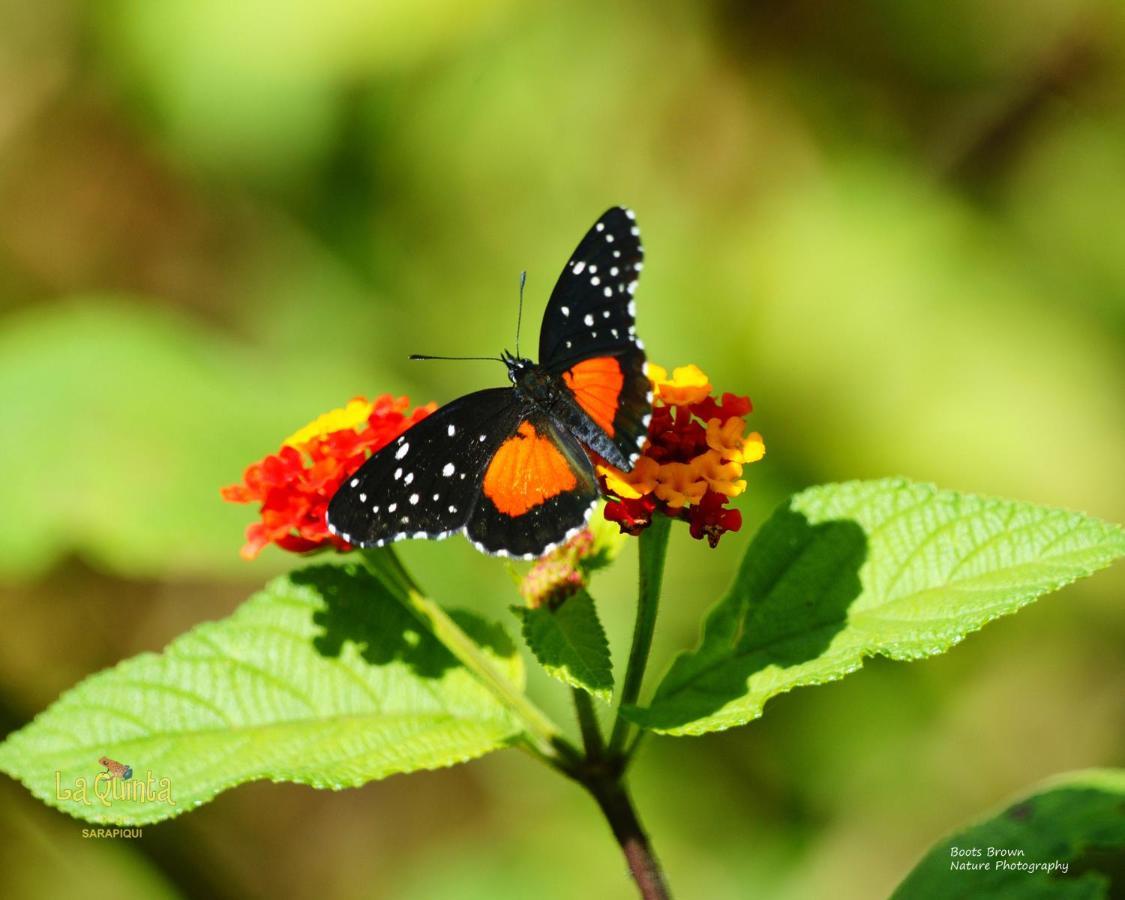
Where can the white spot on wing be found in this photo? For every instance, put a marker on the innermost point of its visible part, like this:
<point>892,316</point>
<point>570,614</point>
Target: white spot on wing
<point>600,226</point>
<point>589,320</point>
<point>414,499</point>
<point>451,430</point>
<point>565,310</point>
<point>363,498</point>
<point>392,507</point>
<point>608,291</point>
<point>355,481</point>
<point>398,473</point>
<point>402,451</point>
<point>409,478</point>
<point>578,267</point>
<point>447,469</point>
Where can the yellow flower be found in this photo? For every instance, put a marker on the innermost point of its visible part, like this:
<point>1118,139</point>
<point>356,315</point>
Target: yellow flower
<point>726,438</point>
<point>720,476</point>
<point>687,385</point>
<point>351,416</point>
<point>679,485</point>
<point>642,480</point>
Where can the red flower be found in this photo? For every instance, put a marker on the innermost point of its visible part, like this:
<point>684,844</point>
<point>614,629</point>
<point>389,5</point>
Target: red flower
<point>692,464</point>
<point>710,520</point>
<point>632,515</point>
<point>295,484</point>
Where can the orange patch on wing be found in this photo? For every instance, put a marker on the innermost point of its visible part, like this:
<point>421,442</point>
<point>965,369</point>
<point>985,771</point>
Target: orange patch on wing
<point>596,384</point>
<point>526,470</point>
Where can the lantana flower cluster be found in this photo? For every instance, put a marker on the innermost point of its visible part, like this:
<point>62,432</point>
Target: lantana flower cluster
<point>691,466</point>
<point>295,484</point>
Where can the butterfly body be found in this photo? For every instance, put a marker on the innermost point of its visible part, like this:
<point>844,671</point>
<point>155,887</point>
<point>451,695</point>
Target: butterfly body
<point>511,467</point>
<point>548,393</point>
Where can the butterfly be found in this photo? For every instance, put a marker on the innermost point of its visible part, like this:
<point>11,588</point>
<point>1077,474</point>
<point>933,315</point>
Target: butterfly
<point>511,467</point>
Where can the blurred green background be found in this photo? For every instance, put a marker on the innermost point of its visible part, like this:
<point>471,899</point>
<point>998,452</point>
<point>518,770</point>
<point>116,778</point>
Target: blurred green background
<point>897,225</point>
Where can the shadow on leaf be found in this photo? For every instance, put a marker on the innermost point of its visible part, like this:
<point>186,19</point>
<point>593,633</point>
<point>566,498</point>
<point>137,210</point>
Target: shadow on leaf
<point>790,598</point>
<point>360,609</point>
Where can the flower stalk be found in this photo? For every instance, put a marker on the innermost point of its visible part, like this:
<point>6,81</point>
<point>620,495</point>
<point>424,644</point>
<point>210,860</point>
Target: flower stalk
<point>544,737</point>
<point>653,549</point>
<point>613,798</point>
<point>592,739</point>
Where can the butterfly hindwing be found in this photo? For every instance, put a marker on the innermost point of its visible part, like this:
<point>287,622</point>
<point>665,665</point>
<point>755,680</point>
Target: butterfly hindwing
<point>617,394</point>
<point>537,490</point>
<point>426,481</point>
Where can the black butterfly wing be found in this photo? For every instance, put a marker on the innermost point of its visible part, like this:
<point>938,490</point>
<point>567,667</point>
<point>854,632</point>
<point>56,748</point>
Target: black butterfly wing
<point>589,336</point>
<point>538,490</point>
<point>591,307</point>
<point>425,483</point>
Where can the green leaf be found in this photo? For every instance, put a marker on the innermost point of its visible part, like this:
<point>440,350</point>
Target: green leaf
<point>845,571</point>
<point>571,644</point>
<point>1063,842</point>
<point>323,678</point>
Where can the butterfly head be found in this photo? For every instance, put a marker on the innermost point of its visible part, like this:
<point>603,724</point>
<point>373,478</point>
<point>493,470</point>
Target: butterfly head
<point>517,366</point>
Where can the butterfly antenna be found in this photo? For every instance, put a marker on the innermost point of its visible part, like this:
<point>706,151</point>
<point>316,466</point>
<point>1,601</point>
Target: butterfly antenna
<point>463,358</point>
<point>519,315</point>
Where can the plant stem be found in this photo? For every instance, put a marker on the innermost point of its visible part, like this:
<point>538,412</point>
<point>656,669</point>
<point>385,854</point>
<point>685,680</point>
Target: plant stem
<point>599,772</point>
<point>588,721</point>
<point>653,548</point>
<point>544,736</point>
<point>613,798</point>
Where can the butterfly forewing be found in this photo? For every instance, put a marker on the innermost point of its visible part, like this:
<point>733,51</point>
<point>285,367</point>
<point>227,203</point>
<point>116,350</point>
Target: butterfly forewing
<point>589,337</point>
<point>591,308</point>
<point>425,482</point>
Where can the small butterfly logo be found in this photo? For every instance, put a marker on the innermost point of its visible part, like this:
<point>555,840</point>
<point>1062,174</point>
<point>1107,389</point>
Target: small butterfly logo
<point>115,769</point>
